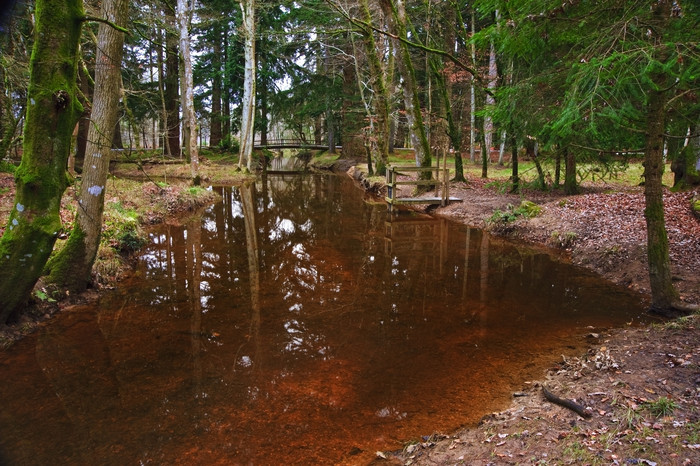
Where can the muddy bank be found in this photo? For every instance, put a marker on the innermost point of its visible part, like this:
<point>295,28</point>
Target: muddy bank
<point>130,208</point>
<point>639,386</point>
<point>602,229</point>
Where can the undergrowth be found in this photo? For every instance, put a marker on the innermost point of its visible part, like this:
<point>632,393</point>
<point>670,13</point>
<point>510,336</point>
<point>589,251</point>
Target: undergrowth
<point>526,209</point>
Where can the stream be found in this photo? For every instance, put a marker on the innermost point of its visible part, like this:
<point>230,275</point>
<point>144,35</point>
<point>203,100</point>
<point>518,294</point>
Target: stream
<point>296,322</point>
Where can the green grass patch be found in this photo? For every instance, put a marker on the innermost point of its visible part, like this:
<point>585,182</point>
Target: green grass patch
<point>324,159</point>
<point>662,407</point>
<point>7,167</point>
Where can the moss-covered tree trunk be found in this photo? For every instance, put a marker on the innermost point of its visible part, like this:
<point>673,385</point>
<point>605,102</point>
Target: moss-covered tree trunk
<point>52,111</point>
<point>663,294</point>
<point>410,86</point>
<point>381,102</point>
<point>71,268</point>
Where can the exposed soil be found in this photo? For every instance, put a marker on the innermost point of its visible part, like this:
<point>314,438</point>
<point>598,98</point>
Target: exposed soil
<point>641,386</point>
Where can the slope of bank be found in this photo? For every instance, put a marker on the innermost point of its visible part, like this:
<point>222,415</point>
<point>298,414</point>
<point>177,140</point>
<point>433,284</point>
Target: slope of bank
<point>640,386</point>
<point>134,199</point>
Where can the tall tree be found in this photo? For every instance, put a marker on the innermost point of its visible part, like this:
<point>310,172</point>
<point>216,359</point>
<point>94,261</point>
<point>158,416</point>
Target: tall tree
<point>183,14</point>
<point>71,268</point>
<point>248,104</point>
<point>397,10</point>
<point>171,86</point>
<point>381,96</point>
<point>627,69</point>
<point>52,112</point>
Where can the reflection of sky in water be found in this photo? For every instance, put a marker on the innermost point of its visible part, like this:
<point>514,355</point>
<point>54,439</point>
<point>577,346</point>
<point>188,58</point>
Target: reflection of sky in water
<point>282,226</point>
<point>337,341</point>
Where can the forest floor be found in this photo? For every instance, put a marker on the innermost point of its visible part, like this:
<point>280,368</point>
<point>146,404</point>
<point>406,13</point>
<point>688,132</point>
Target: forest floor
<point>640,385</point>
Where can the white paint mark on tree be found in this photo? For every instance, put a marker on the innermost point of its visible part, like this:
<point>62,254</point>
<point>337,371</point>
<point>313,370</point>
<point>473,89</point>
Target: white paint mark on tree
<point>95,190</point>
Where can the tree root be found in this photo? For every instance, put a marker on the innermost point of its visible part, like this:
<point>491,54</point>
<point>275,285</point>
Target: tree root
<point>575,407</point>
<point>676,309</point>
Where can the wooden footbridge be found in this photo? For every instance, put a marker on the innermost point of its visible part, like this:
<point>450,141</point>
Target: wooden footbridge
<point>290,143</point>
<point>441,182</point>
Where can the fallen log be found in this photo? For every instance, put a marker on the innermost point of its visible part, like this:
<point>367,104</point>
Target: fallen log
<point>569,404</point>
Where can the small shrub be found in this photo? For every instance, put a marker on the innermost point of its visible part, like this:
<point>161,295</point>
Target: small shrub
<point>565,240</point>
<point>526,209</point>
<point>230,144</point>
<point>503,216</point>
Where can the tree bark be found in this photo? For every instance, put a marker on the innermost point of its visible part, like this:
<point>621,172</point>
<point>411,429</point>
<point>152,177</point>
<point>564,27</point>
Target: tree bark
<point>183,14</point>
<point>52,112</point>
<point>381,102</point>
<point>172,91</point>
<point>71,268</point>
<point>215,123</point>
<point>490,102</point>
<point>663,294</point>
<point>570,184</point>
<point>84,120</point>
<point>410,88</point>
<point>515,174</point>
<point>248,104</point>
<point>472,100</point>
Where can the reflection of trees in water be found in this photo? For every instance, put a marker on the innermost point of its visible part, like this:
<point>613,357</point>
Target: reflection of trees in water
<point>282,305</point>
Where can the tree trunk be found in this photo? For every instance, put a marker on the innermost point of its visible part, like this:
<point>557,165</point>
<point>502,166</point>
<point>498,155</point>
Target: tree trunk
<point>490,102</point>
<point>472,101</point>
<point>381,102</point>
<point>226,95</point>
<point>248,104</point>
<point>410,87</point>
<point>183,14</point>
<point>52,112</point>
<point>515,175</point>
<point>663,294</point>
<point>71,268</point>
<point>215,123</point>
<point>570,183</point>
<point>485,152</point>
<point>352,121</point>
<point>84,120</point>
<point>172,92</point>
<point>686,164</point>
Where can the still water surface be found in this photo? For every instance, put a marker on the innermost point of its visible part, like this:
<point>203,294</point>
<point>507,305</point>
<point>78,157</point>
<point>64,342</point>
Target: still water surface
<point>295,323</point>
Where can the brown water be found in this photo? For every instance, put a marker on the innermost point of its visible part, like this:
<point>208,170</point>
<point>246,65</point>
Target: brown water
<point>293,323</point>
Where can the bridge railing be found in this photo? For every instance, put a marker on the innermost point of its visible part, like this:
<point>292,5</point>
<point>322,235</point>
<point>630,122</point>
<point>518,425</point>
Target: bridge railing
<point>285,142</point>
